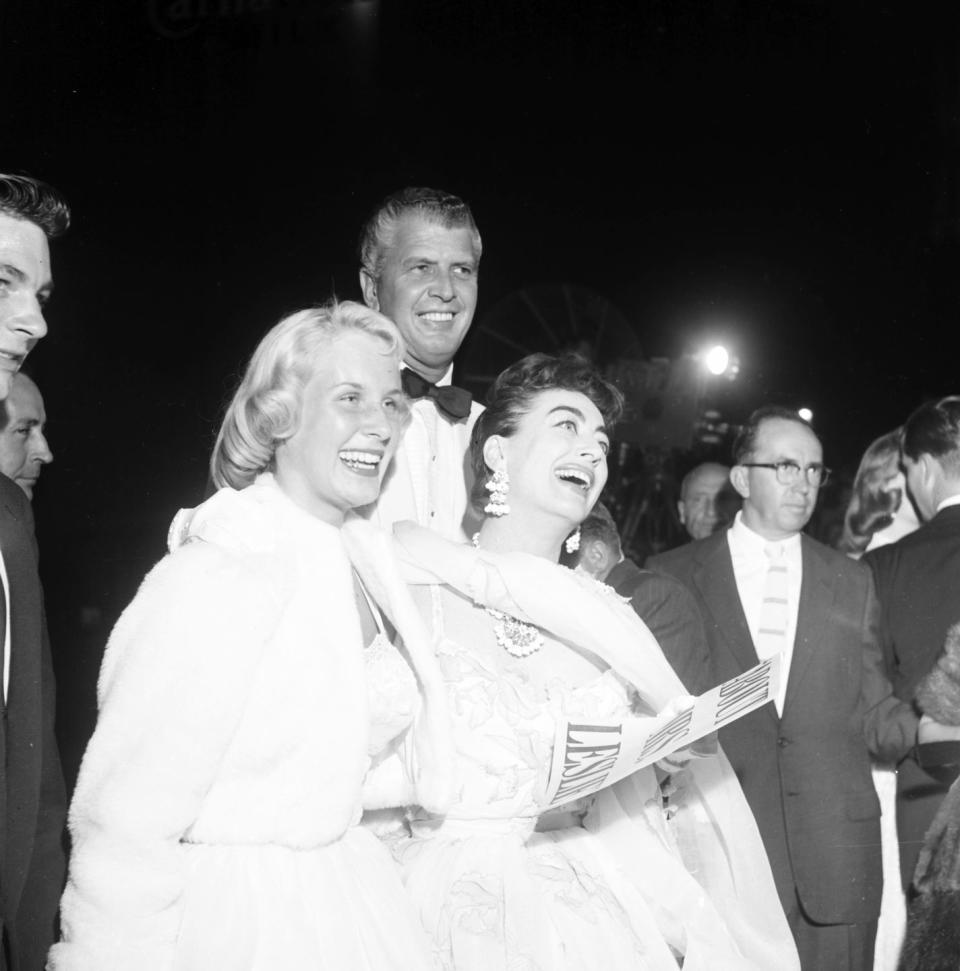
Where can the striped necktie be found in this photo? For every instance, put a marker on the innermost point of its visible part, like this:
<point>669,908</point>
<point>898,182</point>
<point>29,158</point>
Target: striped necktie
<point>772,632</point>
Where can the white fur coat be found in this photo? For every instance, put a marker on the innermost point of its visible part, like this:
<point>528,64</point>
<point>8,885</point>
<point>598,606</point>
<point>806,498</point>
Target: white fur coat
<point>232,711</point>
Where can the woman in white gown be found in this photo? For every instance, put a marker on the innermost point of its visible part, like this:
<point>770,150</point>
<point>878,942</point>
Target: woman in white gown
<point>215,819</point>
<point>618,882</point>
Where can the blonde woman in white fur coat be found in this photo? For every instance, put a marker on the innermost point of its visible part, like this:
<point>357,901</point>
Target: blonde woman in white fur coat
<point>247,691</point>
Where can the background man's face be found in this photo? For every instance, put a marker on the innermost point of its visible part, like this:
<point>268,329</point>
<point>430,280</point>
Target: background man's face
<point>25,284</point>
<point>699,509</point>
<point>773,510</point>
<point>428,288</point>
<point>23,447</point>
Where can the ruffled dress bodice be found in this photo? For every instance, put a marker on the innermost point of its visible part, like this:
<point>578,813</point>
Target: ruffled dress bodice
<point>392,695</point>
<point>504,726</point>
<point>493,892</point>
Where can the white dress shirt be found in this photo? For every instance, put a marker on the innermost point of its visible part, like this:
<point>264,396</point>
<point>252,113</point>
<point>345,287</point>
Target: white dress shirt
<point>750,564</point>
<point>430,478</point>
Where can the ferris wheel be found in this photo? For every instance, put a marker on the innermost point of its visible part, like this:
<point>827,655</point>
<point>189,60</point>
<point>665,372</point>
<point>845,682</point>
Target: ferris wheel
<point>551,318</point>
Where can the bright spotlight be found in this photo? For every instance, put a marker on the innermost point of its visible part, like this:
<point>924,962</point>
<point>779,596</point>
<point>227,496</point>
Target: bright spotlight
<point>717,359</point>
<point>805,413</point>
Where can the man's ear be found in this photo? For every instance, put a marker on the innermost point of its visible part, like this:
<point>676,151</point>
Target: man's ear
<point>740,480</point>
<point>593,556</point>
<point>369,287</point>
<point>681,513</point>
<point>932,472</point>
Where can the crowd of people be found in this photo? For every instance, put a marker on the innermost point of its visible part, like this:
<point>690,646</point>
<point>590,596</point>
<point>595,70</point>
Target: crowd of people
<point>328,721</point>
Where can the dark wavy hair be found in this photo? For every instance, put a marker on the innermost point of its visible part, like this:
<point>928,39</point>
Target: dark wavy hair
<point>25,198</point>
<point>435,205</point>
<point>872,506</point>
<point>511,397</point>
<point>934,429</point>
<point>746,441</point>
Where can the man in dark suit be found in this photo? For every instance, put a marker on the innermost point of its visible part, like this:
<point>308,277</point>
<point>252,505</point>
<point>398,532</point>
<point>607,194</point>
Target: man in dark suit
<point>918,584</point>
<point>661,602</point>
<point>803,761</point>
<point>32,797</point>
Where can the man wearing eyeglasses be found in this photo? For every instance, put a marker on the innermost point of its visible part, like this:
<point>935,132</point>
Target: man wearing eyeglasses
<point>804,761</point>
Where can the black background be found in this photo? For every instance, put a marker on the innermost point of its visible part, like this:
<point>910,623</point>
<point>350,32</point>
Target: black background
<point>782,176</point>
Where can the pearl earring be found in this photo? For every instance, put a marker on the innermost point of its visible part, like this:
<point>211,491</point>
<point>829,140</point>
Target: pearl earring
<point>498,485</point>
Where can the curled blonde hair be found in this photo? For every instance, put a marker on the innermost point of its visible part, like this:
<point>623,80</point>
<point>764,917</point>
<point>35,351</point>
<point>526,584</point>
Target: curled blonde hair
<point>872,504</point>
<point>265,409</point>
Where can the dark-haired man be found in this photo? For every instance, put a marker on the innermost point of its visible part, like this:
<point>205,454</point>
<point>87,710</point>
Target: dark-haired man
<point>918,583</point>
<point>804,762</point>
<point>32,798</point>
<point>24,450</point>
<point>420,259</point>
<point>661,602</point>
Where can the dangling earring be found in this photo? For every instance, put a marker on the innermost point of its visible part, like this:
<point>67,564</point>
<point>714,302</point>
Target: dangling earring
<point>498,485</point>
<point>572,543</point>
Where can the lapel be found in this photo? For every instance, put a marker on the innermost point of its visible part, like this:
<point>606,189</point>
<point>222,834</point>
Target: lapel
<point>713,577</point>
<point>813,616</point>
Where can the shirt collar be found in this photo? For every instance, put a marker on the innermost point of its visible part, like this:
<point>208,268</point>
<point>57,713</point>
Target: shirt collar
<point>949,501</point>
<point>750,542</point>
<point>445,380</point>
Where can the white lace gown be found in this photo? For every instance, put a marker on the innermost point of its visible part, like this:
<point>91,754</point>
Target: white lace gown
<point>493,894</point>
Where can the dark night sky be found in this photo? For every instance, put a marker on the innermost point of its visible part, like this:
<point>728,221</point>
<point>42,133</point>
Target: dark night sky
<point>782,175</point>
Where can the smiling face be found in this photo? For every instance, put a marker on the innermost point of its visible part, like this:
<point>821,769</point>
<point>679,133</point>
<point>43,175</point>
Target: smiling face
<point>773,510</point>
<point>351,417</point>
<point>556,459</point>
<point>23,446</point>
<point>25,285</point>
<point>428,288</point>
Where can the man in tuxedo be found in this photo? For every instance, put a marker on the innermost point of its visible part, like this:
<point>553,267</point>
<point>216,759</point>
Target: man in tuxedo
<point>803,761</point>
<point>23,446</point>
<point>420,258</point>
<point>661,602</point>
<point>918,583</point>
<point>32,797</point>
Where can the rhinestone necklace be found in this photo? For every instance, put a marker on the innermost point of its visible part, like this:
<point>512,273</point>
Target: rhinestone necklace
<point>514,636</point>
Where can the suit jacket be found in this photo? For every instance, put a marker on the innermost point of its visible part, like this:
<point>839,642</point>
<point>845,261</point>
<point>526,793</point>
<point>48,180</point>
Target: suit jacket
<point>806,775</point>
<point>918,583</point>
<point>32,796</point>
<point>670,611</point>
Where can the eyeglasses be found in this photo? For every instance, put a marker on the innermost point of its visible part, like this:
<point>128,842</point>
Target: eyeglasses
<point>788,472</point>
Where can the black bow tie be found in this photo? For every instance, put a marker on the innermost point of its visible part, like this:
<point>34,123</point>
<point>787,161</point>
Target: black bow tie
<point>453,403</point>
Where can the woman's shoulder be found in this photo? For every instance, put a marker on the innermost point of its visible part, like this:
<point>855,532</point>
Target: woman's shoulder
<point>203,579</point>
